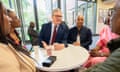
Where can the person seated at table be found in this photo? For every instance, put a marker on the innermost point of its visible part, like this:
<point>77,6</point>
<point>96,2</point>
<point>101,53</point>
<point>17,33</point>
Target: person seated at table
<point>80,35</point>
<point>33,34</point>
<point>55,32</point>
<point>11,60</point>
<point>13,36</point>
<point>112,63</point>
<point>101,52</point>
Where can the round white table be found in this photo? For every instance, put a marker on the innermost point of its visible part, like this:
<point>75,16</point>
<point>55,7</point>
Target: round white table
<point>68,58</point>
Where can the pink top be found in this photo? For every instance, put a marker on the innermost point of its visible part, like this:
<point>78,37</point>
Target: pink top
<point>105,36</point>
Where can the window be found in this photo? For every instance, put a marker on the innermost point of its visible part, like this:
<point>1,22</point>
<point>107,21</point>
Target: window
<point>70,12</point>
<point>28,15</point>
<point>6,3</point>
<point>44,8</point>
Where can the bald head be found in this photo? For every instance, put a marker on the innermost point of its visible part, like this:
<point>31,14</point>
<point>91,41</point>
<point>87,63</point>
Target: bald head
<point>80,16</point>
<point>79,21</point>
<point>117,4</point>
<point>116,18</point>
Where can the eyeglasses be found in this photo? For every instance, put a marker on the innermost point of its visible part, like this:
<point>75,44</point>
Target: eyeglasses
<point>57,15</point>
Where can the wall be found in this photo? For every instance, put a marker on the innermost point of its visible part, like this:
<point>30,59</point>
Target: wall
<point>104,6</point>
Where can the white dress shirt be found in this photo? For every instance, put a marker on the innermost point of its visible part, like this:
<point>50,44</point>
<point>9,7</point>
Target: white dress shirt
<point>52,30</point>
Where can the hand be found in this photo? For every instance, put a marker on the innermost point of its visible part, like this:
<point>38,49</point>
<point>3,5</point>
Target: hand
<point>76,43</point>
<point>94,53</point>
<point>58,46</point>
<point>45,45</point>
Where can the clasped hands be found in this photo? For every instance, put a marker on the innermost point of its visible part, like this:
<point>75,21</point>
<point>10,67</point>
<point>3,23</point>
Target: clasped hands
<point>96,53</point>
<point>76,43</point>
<point>55,46</point>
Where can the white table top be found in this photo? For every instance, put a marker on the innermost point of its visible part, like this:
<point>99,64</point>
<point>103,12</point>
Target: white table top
<point>67,59</point>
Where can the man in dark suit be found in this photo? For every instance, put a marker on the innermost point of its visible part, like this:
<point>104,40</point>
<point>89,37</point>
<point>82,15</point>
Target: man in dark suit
<point>80,35</point>
<point>55,32</point>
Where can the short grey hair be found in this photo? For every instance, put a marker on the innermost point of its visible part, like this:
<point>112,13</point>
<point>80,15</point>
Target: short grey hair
<point>56,10</point>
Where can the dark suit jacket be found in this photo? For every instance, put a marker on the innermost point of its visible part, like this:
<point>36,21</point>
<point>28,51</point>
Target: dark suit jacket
<point>85,36</point>
<point>61,36</point>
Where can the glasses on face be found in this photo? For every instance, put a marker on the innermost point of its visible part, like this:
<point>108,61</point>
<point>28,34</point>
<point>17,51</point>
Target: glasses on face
<point>57,15</point>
